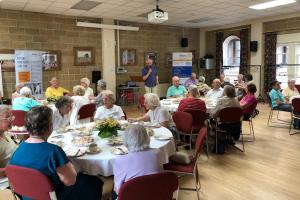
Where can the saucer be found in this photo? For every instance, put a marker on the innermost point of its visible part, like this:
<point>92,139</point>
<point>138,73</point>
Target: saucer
<point>93,152</point>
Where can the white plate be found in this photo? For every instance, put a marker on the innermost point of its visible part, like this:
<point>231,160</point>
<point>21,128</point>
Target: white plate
<point>93,152</point>
<point>74,152</point>
<point>162,137</point>
<point>120,150</point>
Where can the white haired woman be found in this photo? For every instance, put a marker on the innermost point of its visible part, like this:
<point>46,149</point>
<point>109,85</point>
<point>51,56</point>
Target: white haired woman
<point>85,82</point>
<point>140,161</point>
<point>24,102</point>
<point>109,109</point>
<point>7,145</point>
<point>78,100</point>
<point>156,114</point>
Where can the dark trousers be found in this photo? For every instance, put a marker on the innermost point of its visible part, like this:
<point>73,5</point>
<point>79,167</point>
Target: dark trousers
<point>86,187</point>
<point>283,107</point>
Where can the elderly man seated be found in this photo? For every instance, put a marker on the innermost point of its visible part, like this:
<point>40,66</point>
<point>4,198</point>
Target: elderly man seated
<point>192,101</point>
<point>192,80</point>
<point>7,145</point>
<point>216,92</point>
<point>277,98</point>
<point>176,90</point>
<point>55,91</point>
<point>290,91</point>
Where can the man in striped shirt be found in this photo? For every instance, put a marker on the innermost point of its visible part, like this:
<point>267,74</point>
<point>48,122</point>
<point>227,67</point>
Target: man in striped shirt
<point>192,101</point>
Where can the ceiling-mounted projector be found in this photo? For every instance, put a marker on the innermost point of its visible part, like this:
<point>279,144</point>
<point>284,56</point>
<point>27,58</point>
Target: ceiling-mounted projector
<point>157,15</point>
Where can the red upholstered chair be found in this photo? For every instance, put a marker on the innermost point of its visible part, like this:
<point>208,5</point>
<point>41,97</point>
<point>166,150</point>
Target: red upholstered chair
<point>159,186</point>
<point>199,121</point>
<point>252,108</point>
<point>229,115</point>
<point>19,117</point>
<point>298,87</point>
<point>190,169</point>
<point>184,126</point>
<point>142,103</point>
<point>87,111</point>
<point>30,183</point>
<point>295,113</point>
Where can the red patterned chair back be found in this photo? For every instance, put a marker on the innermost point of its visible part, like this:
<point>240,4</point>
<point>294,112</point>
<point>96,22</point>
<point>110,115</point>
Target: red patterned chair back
<point>19,117</point>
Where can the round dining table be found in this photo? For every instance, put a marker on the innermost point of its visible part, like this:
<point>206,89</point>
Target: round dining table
<point>102,163</point>
<point>172,105</point>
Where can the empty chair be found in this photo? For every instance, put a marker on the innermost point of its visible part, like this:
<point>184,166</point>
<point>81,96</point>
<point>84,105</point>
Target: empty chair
<point>19,117</point>
<point>184,126</point>
<point>87,111</point>
<point>160,186</point>
<point>199,119</point>
<point>30,183</point>
<point>295,113</point>
<point>191,168</point>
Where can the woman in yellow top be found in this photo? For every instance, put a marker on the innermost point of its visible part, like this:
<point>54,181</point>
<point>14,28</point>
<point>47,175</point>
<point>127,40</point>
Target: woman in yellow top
<point>55,91</point>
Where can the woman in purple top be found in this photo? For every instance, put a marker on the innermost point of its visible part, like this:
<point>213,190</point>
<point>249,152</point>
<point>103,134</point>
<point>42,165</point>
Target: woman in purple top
<point>249,102</point>
<point>141,160</point>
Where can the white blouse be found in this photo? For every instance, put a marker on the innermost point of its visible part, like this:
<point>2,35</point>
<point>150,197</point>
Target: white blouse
<point>78,101</point>
<point>115,112</point>
<point>58,120</point>
<point>158,115</point>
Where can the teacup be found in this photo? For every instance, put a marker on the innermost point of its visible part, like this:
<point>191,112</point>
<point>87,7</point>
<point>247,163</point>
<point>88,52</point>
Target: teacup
<point>93,147</point>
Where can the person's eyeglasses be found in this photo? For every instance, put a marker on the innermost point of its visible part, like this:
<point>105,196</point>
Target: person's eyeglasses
<point>10,118</point>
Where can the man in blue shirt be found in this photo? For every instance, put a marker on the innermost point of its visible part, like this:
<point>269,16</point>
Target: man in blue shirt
<point>277,98</point>
<point>176,90</point>
<point>150,77</point>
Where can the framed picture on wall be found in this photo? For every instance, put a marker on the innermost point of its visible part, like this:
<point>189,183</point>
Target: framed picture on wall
<point>7,59</point>
<point>128,57</point>
<point>169,60</point>
<point>153,56</point>
<point>51,60</point>
<point>84,56</point>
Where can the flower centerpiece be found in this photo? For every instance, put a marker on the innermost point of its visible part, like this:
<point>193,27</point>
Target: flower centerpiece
<point>51,99</point>
<point>108,127</point>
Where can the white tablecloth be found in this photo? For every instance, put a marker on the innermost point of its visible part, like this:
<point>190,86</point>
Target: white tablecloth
<point>172,105</point>
<point>102,163</point>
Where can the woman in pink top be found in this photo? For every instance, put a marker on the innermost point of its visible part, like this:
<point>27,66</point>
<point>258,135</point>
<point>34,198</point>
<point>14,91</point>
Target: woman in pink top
<point>248,102</point>
<point>140,161</point>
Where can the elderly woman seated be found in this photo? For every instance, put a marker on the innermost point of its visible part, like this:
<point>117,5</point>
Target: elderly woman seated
<point>109,109</point>
<point>101,86</point>
<point>249,101</point>
<point>85,83</point>
<point>290,91</point>
<point>51,160</point>
<point>203,88</point>
<point>141,160</point>
<point>156,114</point>
<point>24,102</point>
<point>7,145</point>
<point>78,100</point>
<point>62,112</point>
<point>228,100</point>
<point>192,101</point>
<point>55,91</point>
